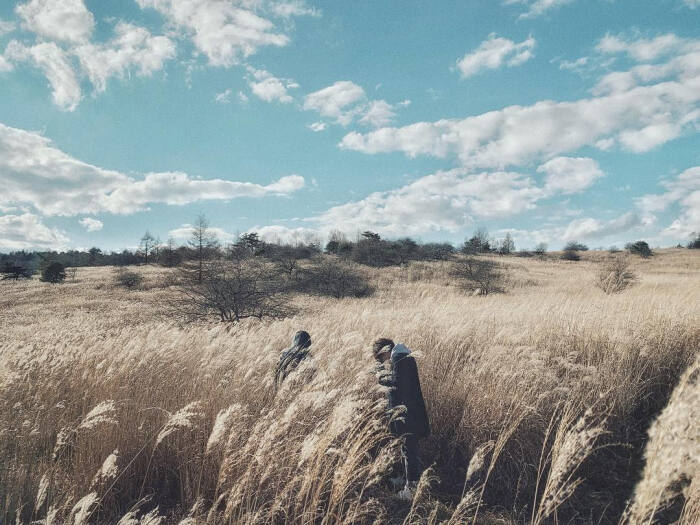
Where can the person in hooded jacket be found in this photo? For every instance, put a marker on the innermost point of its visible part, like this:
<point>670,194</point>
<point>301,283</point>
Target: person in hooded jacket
<point>292,356</point>
<point>404,389</point>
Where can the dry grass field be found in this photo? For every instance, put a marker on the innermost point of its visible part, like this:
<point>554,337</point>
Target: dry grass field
<point>541,400</point>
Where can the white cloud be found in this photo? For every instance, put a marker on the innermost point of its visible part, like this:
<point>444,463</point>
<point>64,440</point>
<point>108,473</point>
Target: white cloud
<point>641,50</point>
<point>184,232</point>
<point>582,229</point>
<point>224,97</point>
<point>90,224</point>
<point>294,8</point>
<point>268,87</point>
<point>6,27</point>
<point>337,101</point>
<point>444,201</point>
<point>539,7</point>
<point>242,97</point>
<point>55,64</point>
<point>317,126</point>
<point>378,113</point>
<point>570,175</point>
<point>494,53</point>
<point>683,190</point>
<point>132,47</point>
<point>284,235</point>
<point>225,32</point>
<point>5,65</point>
<point>640,118</point>
<point>693,4</point>
<point>344,102</point>
<point>33,171</point>
<point>64,20</point>
<point>27,232</point>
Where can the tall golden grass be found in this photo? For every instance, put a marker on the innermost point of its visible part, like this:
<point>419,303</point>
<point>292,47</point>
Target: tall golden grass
<point>540,401</point>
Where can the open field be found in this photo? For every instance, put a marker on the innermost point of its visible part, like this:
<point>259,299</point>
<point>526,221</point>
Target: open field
<point>548,376</point>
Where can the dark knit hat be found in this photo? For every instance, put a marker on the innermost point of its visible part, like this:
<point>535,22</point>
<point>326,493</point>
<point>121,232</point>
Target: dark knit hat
<point>302,339</point>
<point>381,346</point>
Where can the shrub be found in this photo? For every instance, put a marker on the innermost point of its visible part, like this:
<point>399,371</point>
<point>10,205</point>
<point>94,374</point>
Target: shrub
<point>694,244</point>
<point>232,290</point>
<point>333,278</point>
<point>639,248</point>
<point>570,255</point>
<point>541,249</point>
<point>127,279</point>
<point>15,271</point>
<point>434,251</point>
<point>615,275</point>
<point>53,272</point>
<point>479,275</point>
<point>575,247</point>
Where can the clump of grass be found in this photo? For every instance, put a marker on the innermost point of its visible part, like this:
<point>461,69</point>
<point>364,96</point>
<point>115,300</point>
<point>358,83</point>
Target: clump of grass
<point>615,275</point>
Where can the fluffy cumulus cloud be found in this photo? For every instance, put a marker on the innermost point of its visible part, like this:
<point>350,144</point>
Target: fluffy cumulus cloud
<point>33,171</point>
<point>184,232</point>
<point>345,102</point>
<point>268,87</point>
<point>227,32</point>
<point>132,48</point>
<point>63,20</point>
<point>451,200</point>
<point>90,224</point>
<point>54,62</point>
<point>64,52</point>
<point>569,175</point>
<point>637,117</point>
<point>588,228</point>
<point>494,53</point>
<point>682,191</point>
<point>337,102</point>
<point>27,232</point>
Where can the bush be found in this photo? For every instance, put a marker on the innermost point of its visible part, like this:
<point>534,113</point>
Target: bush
<point>15,271</point>
<point>232,290</point>
<point>480,276</point>
<point>541,249</point>
<point>127,279</point>
<point>615,275</point>
<point>53,272</point>
<point>435,251</point>
<point>574,246</point>
<point>570,255</point>
<point>639,248</point>
<point>332,278</point>
<point>694,244</point>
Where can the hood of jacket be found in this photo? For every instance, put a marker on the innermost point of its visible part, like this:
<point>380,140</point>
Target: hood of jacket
<point>399,351</point>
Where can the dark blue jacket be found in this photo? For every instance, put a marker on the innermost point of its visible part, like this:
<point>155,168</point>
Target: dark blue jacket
<point>405,390</point>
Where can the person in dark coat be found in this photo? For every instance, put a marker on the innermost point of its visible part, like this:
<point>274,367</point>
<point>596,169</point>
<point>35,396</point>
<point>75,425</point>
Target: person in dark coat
<point>291,357</point>
<point>404,390</point>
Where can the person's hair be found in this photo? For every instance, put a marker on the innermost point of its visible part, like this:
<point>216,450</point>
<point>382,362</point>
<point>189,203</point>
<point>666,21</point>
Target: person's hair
<point>379,347</point>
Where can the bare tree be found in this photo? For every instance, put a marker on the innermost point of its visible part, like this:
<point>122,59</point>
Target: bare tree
<point>204,243</point>
<point>147,246</point>
<point>234,289</point>
<point>480,275</point>
<point>507,245</point>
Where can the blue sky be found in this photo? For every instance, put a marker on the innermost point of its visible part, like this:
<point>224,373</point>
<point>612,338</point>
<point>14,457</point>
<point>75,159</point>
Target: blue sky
<point>554,120</point>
